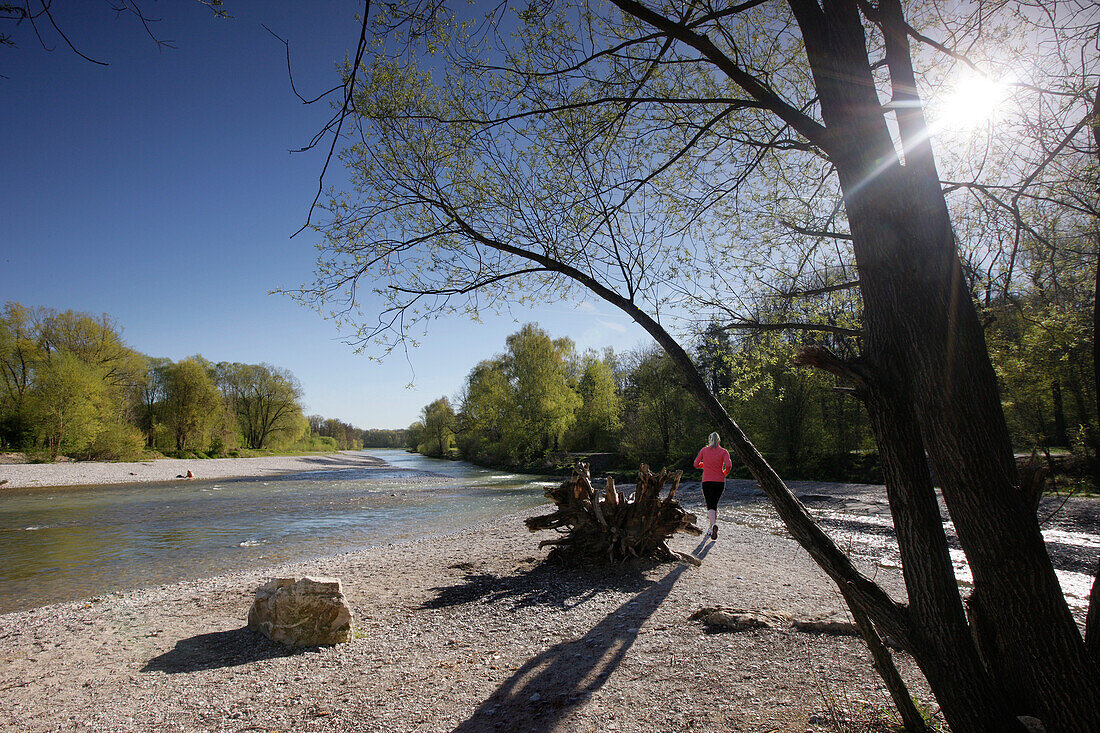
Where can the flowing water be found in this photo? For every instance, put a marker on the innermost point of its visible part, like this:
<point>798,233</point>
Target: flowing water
<point>71,543</point>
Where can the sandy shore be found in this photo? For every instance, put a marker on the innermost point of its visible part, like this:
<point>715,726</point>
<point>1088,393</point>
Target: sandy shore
<point>84,473</point>
<point>465,632</point>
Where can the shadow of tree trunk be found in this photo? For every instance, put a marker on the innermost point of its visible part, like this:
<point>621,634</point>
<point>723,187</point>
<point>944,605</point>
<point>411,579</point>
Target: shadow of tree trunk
<point>551,685</point>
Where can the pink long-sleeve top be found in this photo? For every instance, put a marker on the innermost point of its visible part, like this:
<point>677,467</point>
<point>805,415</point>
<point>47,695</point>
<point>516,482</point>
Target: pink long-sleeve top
<point>715,463</point>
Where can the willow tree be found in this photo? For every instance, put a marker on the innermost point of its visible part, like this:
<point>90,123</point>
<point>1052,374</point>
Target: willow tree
<point>192,403</point>
<point>266,400</point>
<point>439,422</point>
<point>606,150</point>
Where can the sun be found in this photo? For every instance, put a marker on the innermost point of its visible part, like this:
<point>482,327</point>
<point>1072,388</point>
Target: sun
<point>973,100</point>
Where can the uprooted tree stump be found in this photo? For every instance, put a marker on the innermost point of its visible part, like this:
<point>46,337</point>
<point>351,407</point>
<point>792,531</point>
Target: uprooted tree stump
<point>613,527</point>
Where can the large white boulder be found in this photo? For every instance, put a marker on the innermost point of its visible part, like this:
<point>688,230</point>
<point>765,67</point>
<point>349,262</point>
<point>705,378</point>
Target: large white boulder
<point>305,612</point>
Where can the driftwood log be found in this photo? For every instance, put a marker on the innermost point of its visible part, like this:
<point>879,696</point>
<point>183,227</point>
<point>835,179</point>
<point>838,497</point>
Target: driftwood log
<point>613,527</point>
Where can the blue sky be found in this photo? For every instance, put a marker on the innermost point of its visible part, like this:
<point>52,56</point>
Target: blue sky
<point>160,190</point>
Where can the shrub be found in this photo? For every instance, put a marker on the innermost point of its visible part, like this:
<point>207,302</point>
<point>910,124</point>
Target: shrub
<point>324,442</point>
<point>117,442</point>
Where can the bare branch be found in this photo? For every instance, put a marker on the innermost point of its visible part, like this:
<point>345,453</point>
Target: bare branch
<point>628,103</point>
<point>769,99</point>
<point>823,290</point>
<point>811,327</point>
<point>813,232</point>
<point>338,119</point>
<point>477,285</point>
<point>56,27</point>
<point>290,71</point>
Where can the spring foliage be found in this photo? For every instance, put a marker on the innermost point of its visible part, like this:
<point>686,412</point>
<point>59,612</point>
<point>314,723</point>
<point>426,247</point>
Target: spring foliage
<point>70,385</point>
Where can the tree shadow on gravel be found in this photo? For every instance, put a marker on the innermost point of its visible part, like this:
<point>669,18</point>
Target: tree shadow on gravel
<point>544,585</point>
<point>215,651</point>
<point>552,684</point>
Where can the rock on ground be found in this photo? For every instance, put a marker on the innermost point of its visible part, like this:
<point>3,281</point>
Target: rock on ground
<point>301,612</point>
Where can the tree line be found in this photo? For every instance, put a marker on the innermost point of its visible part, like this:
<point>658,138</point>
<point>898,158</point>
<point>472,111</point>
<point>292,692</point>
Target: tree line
<point>540,397</point>
<point>70,385</point>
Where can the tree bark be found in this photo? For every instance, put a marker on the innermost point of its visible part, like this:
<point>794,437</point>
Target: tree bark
<point>1092,621</point>
<point>942,644</point>
<point>922,332</point>
<point>884,665</point>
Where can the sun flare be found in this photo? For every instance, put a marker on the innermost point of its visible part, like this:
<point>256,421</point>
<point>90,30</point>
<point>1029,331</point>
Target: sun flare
<point>972,101</point>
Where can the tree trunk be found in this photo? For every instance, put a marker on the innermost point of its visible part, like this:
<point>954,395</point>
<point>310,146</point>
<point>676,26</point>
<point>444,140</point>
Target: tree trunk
<point>942,644</point>
<point>884,665</point>
<point>1060,435</point>
<point>1037,654</point>
<point>923,334</point>
<point>1092,622</point>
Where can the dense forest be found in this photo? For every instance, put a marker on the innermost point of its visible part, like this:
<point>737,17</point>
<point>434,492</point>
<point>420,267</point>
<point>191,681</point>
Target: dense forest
<point>70,385</point>
<point>541,399</point>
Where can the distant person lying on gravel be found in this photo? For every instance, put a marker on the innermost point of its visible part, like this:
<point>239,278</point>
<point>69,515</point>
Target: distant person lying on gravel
<point>716,465</point>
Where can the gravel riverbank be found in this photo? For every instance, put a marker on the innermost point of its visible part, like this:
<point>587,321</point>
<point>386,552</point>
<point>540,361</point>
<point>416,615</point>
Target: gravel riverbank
<point>464,632</point>
<point>87,473</point>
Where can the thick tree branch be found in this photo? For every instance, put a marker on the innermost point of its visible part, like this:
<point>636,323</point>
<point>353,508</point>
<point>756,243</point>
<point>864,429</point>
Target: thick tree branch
<point>814,232</point>
<point>768,98</point>
<point>790,326</point>
<point>850,372</point>
<point>909,110</point>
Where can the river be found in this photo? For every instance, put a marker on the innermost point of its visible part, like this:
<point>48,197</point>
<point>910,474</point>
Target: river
<point>71,543</point>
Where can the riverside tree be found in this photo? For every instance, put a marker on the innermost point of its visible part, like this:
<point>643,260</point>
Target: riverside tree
<point>438,419</point>
<point>19,352</point>
<point>598,418</point>
<point>68,404</point>
<point>482,414</point>
<point>68,383</point>
<point>191,403</point>
<point>266,401</point>
<point>543,400</point>
<point>658,410</point>
<point>607,149</point>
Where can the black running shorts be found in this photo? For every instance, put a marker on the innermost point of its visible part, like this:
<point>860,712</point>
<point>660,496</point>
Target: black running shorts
<point>712,492</point>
